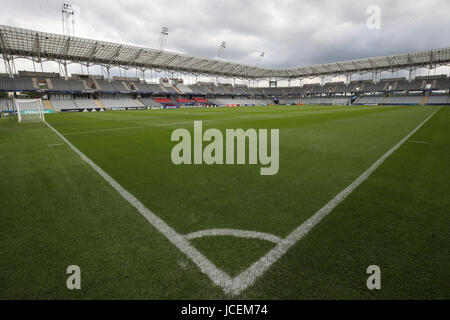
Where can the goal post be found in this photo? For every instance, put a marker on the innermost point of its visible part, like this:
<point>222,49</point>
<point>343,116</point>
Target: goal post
<point>29,110</point>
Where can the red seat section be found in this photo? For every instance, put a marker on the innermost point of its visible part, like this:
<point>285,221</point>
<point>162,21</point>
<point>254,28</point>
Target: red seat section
<point>163,100</point>
<point>184,100</point>
<point>200,100</point>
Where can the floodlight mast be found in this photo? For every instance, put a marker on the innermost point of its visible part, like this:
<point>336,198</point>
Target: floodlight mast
<point>261,56</point>
<point>222,47</point>
<point>163,37</point>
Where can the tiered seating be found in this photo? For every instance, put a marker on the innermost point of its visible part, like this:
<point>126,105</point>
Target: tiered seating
<point>330,100</point>
<point>369,99</point>
<point>324,89</point>
<point>203,89</point>
<point>183,100</point>
<point>196,89</point>
<point>342,88</point>
<point>290,101</point>
<point>16,84</point>
<point>312,88</point>
<point>60,104</point>
<point>337,100</point>
<point>220,89</point>
<point>60,85</point>
<point>358,87</point>
<point>402,85</point>
<point>271,91</point>
<point>142,87</point>
<point>298,90</point>
<point>184,89</point>
<point>312,101</point>
<point>443,84</point>
<point>438,99</point>
<point>387,91</point>
<point>156,88</point>
<point>119,86</point>
<point>402,100</point>
<point>119,102</point>
<point>239,90</point>
<point>240,102</point>
<point>149,102</point>
<point>163,100</point>
<point>168,88</point>
<point>77,85</point>
<point>105,85</point>
<point>256,91</point>
<point>85,103</point>
<point>371,87</point>
<point>416,85</point>
<point>6,104</point>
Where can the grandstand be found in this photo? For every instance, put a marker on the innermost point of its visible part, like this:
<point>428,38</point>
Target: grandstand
<point>386,91</point>
<point>419,91</point>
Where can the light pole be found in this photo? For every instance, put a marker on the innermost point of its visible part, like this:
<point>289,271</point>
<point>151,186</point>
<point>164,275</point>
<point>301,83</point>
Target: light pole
<point>222,47</point>
<point>163,37</point>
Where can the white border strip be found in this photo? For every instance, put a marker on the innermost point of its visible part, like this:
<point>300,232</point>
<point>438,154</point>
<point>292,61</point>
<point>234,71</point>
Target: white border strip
<point>233,233</point>
<point>248,277</point>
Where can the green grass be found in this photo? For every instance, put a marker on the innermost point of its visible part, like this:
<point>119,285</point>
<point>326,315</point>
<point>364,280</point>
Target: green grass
<point>56,211</point>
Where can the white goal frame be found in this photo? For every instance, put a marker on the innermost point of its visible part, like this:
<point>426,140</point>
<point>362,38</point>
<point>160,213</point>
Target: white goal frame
<point>29,109</point>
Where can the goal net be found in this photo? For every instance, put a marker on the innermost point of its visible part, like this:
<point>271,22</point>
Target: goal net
<point>29,110</point>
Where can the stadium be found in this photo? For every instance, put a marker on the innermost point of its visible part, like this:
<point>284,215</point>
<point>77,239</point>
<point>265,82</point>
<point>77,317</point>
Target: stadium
<point>361,149</point>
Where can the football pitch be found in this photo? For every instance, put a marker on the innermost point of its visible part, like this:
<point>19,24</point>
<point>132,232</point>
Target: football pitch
<point>356,186</point>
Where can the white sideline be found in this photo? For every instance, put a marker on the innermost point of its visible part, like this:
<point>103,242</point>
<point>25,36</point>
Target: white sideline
<point>234,233</point>
<point>248,277</point>
<point>219,277</point>
<point>236,285</point>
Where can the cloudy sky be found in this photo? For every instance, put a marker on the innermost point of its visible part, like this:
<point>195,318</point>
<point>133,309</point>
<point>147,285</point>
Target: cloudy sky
<point>290,32</point>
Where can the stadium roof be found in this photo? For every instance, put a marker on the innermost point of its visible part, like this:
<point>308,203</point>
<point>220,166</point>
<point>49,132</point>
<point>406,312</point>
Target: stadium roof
<point>41,46</point>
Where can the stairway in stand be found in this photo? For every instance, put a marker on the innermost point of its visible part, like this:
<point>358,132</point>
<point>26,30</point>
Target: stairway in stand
<point>99,104</point>
<point>424,100</point>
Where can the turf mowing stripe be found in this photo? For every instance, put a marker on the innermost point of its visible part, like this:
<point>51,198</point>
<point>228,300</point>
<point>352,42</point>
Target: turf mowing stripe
<point>248,277</point>
<point>417,141</point>
<point>219,277</point>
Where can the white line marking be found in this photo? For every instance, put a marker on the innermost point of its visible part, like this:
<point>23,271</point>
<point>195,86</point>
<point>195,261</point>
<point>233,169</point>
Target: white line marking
<point>417,141</point>
<point>236,285</point>
<point>55,144</point>
<point>233,233</point>
<point>219,277</point>
<point>248,277</point>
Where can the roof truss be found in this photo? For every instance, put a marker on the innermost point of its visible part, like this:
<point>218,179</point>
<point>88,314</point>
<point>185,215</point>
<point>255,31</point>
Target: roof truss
<point>18,42</point>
